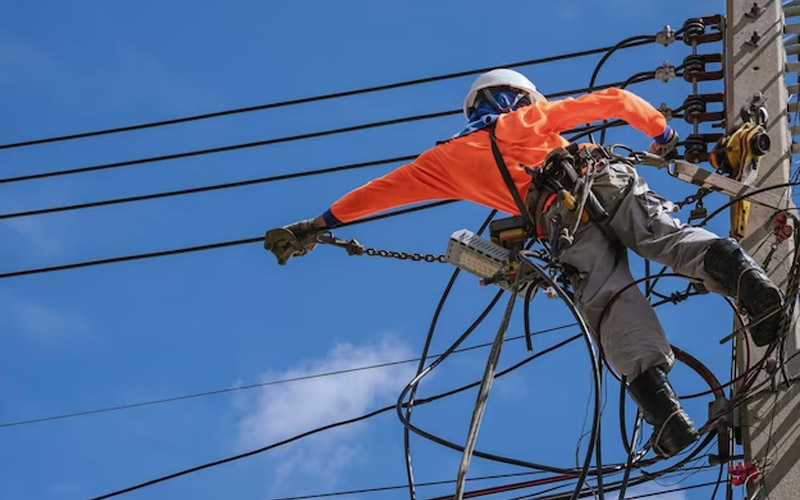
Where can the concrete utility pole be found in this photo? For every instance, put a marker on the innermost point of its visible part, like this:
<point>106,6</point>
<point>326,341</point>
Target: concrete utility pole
<point>756,61</point>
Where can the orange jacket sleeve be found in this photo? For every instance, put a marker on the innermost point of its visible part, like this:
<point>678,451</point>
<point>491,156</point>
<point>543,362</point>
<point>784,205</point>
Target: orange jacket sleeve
<point>606,104</point>
<point>422,180</point>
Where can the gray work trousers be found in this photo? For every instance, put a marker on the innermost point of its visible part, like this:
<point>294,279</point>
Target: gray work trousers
<point>632,338</point>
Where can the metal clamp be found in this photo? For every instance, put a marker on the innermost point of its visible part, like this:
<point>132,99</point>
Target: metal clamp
<point>667,36</point>
<point>666,72</point>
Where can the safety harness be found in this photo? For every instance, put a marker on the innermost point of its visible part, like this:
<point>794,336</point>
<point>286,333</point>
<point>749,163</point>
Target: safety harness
<point>563,177</point>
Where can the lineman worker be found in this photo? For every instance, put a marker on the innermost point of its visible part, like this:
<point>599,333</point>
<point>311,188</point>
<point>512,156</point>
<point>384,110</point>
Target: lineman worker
<point>526,128</point>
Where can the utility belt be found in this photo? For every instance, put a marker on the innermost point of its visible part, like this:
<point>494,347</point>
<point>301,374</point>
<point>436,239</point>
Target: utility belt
<point>564,177</point>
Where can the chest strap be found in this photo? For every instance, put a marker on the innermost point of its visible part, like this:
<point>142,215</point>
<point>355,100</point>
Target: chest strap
<point>501,165</point>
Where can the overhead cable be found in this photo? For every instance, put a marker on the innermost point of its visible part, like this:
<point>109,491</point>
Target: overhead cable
<point>250,182</point>
<point>321,97</point>
<point>247,387</point>
<point>203,189</point>
<point>268,142</point>
<point>303,435</point>
<point>378,489</point>
<point>202,248</point>
<point>424,357</point>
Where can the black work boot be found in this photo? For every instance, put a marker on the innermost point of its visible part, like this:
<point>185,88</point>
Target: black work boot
<point>673,430</point>
<point>743,279</point>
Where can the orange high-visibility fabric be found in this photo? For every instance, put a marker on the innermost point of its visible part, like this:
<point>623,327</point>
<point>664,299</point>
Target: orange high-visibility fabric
<point>464,168</point>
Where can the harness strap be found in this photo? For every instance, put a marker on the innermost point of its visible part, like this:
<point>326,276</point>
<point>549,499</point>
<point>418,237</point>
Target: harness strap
<point>501,165</point>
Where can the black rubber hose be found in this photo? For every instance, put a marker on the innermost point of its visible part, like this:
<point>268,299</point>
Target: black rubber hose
<point>638,39</point>
<point>423,358</point>
<point>637,426</point>
<point>594,437</point>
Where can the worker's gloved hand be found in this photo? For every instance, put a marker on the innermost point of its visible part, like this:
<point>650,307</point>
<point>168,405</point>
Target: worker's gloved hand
<point>294,240</point>
<point>665,144</point>
<point>306,235</point>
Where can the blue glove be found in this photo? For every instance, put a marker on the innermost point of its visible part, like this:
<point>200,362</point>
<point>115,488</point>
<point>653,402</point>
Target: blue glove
<point>665,143</point>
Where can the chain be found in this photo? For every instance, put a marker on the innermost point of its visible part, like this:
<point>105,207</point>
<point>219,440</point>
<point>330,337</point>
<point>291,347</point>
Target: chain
<point>416,257</point>
<point>353,247</point>
<point>698,196</point>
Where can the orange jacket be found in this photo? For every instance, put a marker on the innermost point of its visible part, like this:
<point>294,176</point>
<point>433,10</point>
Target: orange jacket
<point>464,168</point>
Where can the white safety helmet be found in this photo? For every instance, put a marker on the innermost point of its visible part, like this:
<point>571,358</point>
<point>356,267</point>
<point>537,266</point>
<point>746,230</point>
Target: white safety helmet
<point>501,78</point>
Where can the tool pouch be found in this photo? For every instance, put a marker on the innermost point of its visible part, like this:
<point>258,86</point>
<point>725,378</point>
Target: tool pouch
<point>561,174</point>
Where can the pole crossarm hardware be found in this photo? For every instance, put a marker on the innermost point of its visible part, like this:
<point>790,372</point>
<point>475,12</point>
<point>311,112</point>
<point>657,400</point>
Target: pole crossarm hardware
<point>757,58</point>
<point>704,178</point>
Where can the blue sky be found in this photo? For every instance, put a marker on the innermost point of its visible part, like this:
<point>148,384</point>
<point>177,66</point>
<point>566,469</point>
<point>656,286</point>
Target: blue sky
<point>112,335</point>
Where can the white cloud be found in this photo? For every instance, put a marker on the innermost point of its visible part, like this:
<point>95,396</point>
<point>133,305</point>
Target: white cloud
<point>278,412</point>
<point>39,238</point>
<point>46,325</point>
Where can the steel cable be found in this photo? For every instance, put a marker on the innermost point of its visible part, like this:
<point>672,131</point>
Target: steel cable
<point>304,100</point>
<point>266,142</point>
<point>242,183</point>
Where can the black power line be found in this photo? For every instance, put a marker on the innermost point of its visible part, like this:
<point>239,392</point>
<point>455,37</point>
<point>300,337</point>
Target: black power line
<point>249,182</point>
<point>276,140</point>
<point>222,149</point>
<point>210,246</point>
<point>311,432</point>
<point>203,189</point>
<point>246,387</point>
<point>200,248</point>
<point>304,100</point>
<point>216,463</point>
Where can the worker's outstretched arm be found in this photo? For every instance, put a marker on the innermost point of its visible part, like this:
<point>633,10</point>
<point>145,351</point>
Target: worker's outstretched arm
<point>613,103</point>
<point>422,180</point>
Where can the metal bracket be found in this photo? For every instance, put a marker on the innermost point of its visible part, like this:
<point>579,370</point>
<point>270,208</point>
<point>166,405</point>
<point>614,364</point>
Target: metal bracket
<point>691,173</point>
<point>694,30</point>
<point>695,67</point>
<point>696,108</point>
<point>754,110</point>
<point>754,11</point>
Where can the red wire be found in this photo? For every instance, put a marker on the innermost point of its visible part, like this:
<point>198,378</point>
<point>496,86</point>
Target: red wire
<point>507,487</point>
